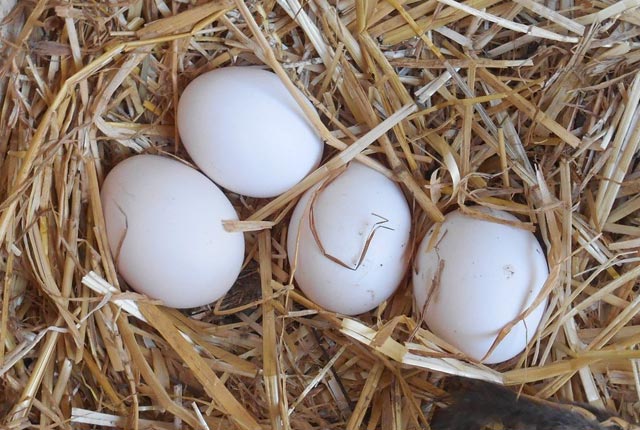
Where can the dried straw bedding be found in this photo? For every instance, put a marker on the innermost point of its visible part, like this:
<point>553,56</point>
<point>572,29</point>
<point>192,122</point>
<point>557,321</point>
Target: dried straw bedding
<point>530,107</point>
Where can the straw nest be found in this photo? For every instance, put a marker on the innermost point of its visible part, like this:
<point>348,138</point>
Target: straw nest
<point>531,107</point>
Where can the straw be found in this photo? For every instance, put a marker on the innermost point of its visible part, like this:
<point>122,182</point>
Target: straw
<point>528,107</point>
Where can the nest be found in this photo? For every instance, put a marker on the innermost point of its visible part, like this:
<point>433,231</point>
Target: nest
<point>529,107</point>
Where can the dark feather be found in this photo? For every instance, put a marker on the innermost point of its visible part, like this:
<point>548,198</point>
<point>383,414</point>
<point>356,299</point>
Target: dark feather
<point>478,405</point>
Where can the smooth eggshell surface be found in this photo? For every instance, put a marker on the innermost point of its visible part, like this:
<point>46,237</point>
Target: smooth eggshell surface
<point>345,212</point>
<point>168,219</point>
<point>491,273</point>
<point>243,128</point>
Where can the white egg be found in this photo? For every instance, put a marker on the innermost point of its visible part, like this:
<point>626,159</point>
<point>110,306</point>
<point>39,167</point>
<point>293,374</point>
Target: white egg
<point>346,212</point>
<point>489,274</point>
<point>243,128</point>
<point>164,226</point>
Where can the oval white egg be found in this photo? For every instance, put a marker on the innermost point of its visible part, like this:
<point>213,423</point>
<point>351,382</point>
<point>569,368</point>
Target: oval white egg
<point>490,273</point>
<point>360,204</point>
<point>243,128</point>
<point>165,232</point>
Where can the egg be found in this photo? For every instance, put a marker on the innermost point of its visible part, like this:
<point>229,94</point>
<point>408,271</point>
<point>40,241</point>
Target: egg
<point>363,224</point>
<point>245,131</point>
<point>164,228</point>
<point>474,278</point>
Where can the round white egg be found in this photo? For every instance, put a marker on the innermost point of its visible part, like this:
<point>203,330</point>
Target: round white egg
<point>489,273</point>
<point>243,128</point>
<point>345,213</point>
<point>164,227</point>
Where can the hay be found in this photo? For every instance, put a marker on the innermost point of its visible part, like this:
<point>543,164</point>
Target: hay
<point>524,106</point>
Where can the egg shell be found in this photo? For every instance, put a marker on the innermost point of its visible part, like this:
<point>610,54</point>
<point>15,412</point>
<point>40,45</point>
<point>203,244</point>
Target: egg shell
<point>345,212</point>
<point>491,273</point>
<point>168,219</point>
<point>244,130</point>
